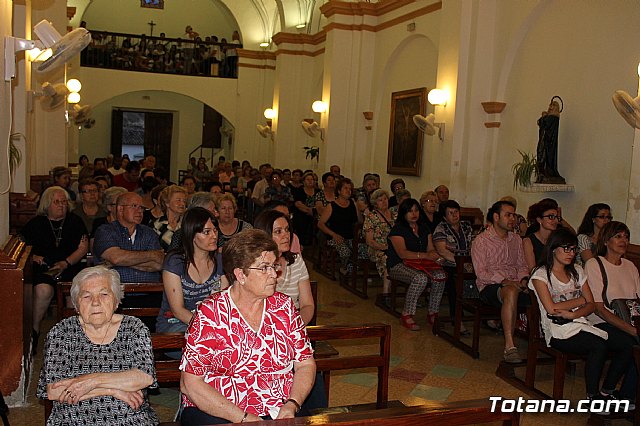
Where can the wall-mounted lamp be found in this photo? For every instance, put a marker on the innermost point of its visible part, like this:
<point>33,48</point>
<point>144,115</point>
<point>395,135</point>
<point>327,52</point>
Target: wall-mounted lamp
<point>319,107</point>
<point>269,114</point>
<point>73,98</point>
<point>264,44</point>
<point>438,97</point>
<point>301,26</point>
<point>267,131</point>
<point>74,86</point>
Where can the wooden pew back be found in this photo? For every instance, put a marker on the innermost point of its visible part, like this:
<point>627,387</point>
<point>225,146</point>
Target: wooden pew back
<point>379,360</point>
<point>65,311</point>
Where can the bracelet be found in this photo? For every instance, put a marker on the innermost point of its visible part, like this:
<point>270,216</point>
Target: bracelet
<point>418,255</point>
<point>67,262</point>
<point>244,417</point>
<point>294,403</point>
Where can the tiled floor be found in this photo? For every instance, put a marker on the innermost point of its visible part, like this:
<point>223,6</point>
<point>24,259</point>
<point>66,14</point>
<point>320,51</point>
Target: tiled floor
<point>423,367</point>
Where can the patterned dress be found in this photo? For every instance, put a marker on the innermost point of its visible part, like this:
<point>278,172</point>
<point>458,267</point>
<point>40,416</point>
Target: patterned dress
<point>252,370</point>
<point>69,353</point>
<point>377,223</point>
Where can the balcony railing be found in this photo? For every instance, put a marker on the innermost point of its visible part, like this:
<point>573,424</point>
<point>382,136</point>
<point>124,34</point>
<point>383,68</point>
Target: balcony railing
<point>161,55</point>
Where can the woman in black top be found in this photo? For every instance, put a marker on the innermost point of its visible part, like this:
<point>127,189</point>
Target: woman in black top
<point>546,215</point>
<point>60,242</point>
<point>303,212</point>
<point>410,238</point>
<point>338,221</point>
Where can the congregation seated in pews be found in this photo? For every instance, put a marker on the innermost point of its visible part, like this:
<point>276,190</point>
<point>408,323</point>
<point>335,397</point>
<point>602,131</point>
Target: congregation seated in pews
<point>484,272</point>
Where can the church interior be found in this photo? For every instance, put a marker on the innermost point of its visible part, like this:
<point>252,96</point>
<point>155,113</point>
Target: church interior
<point>498,64</point>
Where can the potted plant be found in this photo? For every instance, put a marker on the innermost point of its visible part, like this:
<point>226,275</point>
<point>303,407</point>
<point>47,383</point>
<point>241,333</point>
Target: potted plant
<point>15,156</point>
<point>313,152</point>
<point>523,170</point>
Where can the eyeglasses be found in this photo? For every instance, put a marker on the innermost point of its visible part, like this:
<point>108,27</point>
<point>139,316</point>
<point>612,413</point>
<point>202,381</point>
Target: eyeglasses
<point>569,248</point>
<point>605,217</point>
<point>276,267</point>
<point>133,206</point>
<point>553,217</point>
<point>60,202</point>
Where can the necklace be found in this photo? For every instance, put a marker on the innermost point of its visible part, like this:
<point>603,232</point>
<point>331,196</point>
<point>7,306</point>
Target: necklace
<point>57,232</point>
<point>84,328</point>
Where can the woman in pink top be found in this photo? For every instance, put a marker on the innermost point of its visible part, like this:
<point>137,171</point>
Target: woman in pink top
<point>620,276</point>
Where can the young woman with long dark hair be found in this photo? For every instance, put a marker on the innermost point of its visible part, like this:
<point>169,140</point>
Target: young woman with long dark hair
<point>565,300</point>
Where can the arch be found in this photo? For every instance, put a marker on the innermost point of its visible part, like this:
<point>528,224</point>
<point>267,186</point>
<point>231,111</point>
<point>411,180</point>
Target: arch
<point>514,48</point>
<point>187,118</point>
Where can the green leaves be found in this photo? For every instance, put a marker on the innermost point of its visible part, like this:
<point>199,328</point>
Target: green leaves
<point>523,170</point>
<point>15,156</point>
<point>313,152</point>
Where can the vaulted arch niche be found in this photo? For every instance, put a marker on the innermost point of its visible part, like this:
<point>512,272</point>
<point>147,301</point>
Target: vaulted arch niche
<point>186,132</point>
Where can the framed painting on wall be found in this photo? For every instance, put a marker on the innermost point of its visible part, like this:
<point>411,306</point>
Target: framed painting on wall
<point>405,139</point>
<point>152,4</point>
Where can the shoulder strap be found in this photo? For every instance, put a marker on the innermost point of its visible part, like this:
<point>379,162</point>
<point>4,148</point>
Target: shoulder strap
<point>605,282</point>
<point>382,216</point>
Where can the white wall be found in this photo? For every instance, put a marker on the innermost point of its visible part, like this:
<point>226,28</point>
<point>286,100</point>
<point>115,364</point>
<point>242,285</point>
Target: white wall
<point>582,52</point>
<point>5,29</point>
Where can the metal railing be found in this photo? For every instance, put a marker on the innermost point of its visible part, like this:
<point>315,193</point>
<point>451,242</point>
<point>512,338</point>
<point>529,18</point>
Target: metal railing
<point>144,53</point>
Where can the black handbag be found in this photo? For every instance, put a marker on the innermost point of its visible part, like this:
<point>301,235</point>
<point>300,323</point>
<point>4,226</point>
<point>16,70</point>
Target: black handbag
<point>625,309</point>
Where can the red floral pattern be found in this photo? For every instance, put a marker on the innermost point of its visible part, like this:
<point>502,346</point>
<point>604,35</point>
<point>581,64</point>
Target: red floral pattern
<point>252,370</point>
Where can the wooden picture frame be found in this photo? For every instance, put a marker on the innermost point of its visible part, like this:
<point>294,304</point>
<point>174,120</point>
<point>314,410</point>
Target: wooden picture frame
<point>152,4</point>
<point>405,139</point>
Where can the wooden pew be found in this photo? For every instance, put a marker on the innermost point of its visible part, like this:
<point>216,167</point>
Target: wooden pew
<point>363,269</point>
<point>65,310</point>
<point>168,374</point>
<point>553,357</point>
<point>479,312</point>
<point>433,413</point>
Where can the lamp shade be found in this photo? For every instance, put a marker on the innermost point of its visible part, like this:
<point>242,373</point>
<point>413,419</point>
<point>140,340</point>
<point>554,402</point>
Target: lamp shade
<point>438,97</point>
<point>73,98</point>
<point>319,106</point>
<point>269,114</point>
<point>74,85</point>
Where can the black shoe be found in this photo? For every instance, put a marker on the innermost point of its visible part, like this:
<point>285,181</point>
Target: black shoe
<point>632,403</point>
<point>602,401</point>
<point>35,336</point>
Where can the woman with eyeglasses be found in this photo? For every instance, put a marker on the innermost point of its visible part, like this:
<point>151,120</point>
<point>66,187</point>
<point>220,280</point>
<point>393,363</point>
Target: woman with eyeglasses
<point>565,300</point>
<point>276,191</point>
<point>545,214</point>
<point>247,355</point>
<point>59,242</point>
<point>90,208</point>
<point>191,272</point>
<point>596,216</point>
<point>622,282</point>
<point>429,204</point>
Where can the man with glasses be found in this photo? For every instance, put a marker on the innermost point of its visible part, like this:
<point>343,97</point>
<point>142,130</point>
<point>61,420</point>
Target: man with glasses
<point>501,271</point>
<point>89,209</point>
<point>130,248</point>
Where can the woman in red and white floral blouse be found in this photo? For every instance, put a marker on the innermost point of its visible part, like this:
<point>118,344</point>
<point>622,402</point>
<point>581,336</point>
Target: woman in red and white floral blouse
<point>247,355</point>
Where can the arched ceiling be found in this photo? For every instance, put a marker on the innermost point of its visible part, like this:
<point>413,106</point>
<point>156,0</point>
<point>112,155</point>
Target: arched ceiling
<point>257,20</point>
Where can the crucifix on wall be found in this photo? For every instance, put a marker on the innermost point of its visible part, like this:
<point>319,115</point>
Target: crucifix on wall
<point>151,25</point>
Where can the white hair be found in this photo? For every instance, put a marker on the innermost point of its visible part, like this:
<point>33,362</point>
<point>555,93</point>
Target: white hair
<point>94,272</point>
